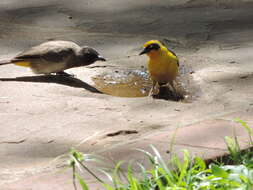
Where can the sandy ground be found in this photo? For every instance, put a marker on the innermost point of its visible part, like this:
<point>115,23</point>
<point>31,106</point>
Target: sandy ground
<point>41,117</point>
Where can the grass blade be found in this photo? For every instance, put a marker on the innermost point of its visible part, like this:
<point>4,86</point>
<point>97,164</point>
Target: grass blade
<point>82,183</point>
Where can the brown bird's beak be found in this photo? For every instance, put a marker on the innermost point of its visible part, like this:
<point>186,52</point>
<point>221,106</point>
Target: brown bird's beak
<point>144,51</point>
<point>100,58</point>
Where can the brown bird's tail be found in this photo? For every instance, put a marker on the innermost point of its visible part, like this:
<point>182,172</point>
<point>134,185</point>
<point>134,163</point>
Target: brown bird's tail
<point>5,62</point>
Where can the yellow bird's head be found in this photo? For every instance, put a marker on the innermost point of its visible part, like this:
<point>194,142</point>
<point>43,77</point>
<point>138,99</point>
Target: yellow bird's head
<point>152,47</point>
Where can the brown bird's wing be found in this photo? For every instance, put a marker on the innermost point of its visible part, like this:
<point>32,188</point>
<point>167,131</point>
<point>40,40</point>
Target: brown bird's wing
<point>53,51</point>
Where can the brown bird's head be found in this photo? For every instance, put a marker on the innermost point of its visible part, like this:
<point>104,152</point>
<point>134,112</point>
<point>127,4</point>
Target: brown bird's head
<point>88,55</point>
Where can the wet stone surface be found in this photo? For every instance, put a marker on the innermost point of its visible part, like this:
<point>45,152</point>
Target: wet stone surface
<point>137,83</point>
<point>124,83</point>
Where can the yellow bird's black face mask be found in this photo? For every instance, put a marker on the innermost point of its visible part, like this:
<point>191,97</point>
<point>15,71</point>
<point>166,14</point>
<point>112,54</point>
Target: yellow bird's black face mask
<point>149,48</point>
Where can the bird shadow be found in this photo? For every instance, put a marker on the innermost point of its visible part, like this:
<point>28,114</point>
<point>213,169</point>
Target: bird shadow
<point>58,79</point>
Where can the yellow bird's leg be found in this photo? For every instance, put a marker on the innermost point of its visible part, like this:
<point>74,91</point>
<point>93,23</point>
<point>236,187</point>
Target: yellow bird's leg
<point>173,87</point>
<point>151,92</point>
<point>174,90</point>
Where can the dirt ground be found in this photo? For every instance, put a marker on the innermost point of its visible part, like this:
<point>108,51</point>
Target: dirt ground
<point>43,117</point>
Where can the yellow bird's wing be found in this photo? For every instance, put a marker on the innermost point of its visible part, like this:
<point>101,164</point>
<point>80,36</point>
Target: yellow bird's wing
<point>170,52</point>
<point>173,56</point>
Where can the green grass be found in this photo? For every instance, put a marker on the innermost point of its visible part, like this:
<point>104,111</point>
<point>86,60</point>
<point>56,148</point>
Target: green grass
<point>176,174</point>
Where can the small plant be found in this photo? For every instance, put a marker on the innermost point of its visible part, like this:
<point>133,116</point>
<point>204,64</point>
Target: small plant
<point>76,161</point>
<point>176,174</point>
<point>236,154</point>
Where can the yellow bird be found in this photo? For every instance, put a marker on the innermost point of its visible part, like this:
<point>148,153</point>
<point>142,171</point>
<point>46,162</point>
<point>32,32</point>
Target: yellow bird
<point>162,66</point>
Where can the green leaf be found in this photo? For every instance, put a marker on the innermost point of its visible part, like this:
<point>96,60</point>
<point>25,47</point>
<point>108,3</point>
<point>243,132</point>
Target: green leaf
<point>248,129</point>
<point>160,159</point>
<point>77,155</point>
<point>218,171</point>
<point>82,183</point>
<point>183,169</point>
<point>108,187</point>
<point>233,148</point>
<point>149,155</point>
<point>244,124</point>
<point>107,174</point>
<point>199,164</point>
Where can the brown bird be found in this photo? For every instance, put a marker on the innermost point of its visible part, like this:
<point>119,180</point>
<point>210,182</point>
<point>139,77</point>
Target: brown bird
<point>55,57</point>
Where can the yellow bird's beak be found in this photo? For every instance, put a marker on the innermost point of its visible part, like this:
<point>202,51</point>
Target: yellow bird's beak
<point>149,48</point>
<point>145,50</point>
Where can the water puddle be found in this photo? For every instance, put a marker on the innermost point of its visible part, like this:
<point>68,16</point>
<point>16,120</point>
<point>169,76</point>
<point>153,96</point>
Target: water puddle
<point>136,83</point>
<point>124,83</point>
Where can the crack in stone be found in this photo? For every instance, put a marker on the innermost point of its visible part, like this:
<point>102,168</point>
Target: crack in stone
<point>13,142</point>
<point>122,132</point>
<point>197,146</point>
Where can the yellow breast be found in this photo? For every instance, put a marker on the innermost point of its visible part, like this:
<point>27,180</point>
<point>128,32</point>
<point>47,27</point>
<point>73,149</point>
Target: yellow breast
<point>163,68</point>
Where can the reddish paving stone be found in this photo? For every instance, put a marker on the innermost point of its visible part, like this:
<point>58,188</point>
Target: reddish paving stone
<point>205,139</point>
<point>208,134</point>
<point>246,116</point>
<point>211,133</point>
<point>53,181</point>
<point>131,154</point>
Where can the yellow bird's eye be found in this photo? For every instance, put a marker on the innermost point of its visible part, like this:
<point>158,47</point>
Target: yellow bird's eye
<point>150,47</point>
<point>154,46</point>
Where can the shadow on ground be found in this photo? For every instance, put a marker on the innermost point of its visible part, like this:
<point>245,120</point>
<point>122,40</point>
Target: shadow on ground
<point>68,81</point>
